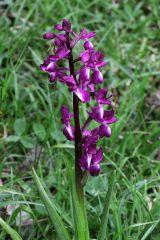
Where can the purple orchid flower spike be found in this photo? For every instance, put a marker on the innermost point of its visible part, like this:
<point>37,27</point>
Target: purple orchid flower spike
<point>83,84</point>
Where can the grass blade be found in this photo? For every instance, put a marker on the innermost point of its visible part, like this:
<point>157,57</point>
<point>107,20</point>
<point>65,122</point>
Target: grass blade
<point>54,216</point>
<point>150,230</point>
<point>104,221</point>
<point>13,234</point>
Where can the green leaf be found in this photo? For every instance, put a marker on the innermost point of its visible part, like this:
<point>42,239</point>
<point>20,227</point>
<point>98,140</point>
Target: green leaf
<point>57,135</point>
<point>80,219</point>
<point>39,130</point>
<point>78,211</point>
<point>12,138</point>
<point>150,230</point>
<point>104,219</point>
<point>19,126</point>
<point>36,57</point>
<point>54,216</point>
<point>13,234</point>
<point>28,142</point>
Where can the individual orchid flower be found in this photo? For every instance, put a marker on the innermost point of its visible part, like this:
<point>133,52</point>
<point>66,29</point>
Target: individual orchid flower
<point>91,162</point>
<point>90,140</point>
<point>93,59</point>
<point>85,36</point>
<point>54,72</point>
<point>68,130</point>
<point>81,93</point>
<point>104,117</point>
<point>101,96</point>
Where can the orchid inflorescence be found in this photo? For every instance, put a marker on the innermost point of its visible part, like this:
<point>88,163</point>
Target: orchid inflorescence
<point>84,84</point>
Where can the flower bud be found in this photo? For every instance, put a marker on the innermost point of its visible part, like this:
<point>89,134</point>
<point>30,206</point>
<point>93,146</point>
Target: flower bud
<point>48,36</point>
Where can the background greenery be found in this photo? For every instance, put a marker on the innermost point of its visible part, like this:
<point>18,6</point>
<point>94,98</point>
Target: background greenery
<point>128,32</point>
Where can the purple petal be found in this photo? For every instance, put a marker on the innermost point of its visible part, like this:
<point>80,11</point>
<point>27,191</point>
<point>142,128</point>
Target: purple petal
<point>53,77</point>
<point>97,158</point>
<point>59,27</point>
<point>65,115</point>
<point>45,64</point>
<point>86,133</point>
<point>62,53</point>
<point>85,161</point>
<point>101,64</point>
<point>43,67</point>
<point>48,36</point>
<point>83,95</point>
<point>61,38</point>
<point>69,132</point>
<point>97,56</point>
<point>61,75</point>
<point>97,77</point>
<point>51,67</point>
<point>91,86</point>
<point>104,130</point>
<point>91,140</point>
<point>66,24</point>
<point>101,96</point>
<point>94,132</point>
<point>74,42</point>
<point>104,101</point>
<point>88,45</point>
<point>92,148</point>
<point>102,93</point>
<point>94,170</point>
<point>85,35</point>
<point>57,42</point>
<point>53,57</point>
<point>109,117</point>
<point>84,74</point>
<point>90,35</point>
<point>111,120</point>
<point>69,80</point>
<point>97,113</point>
<point>85,56</point>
